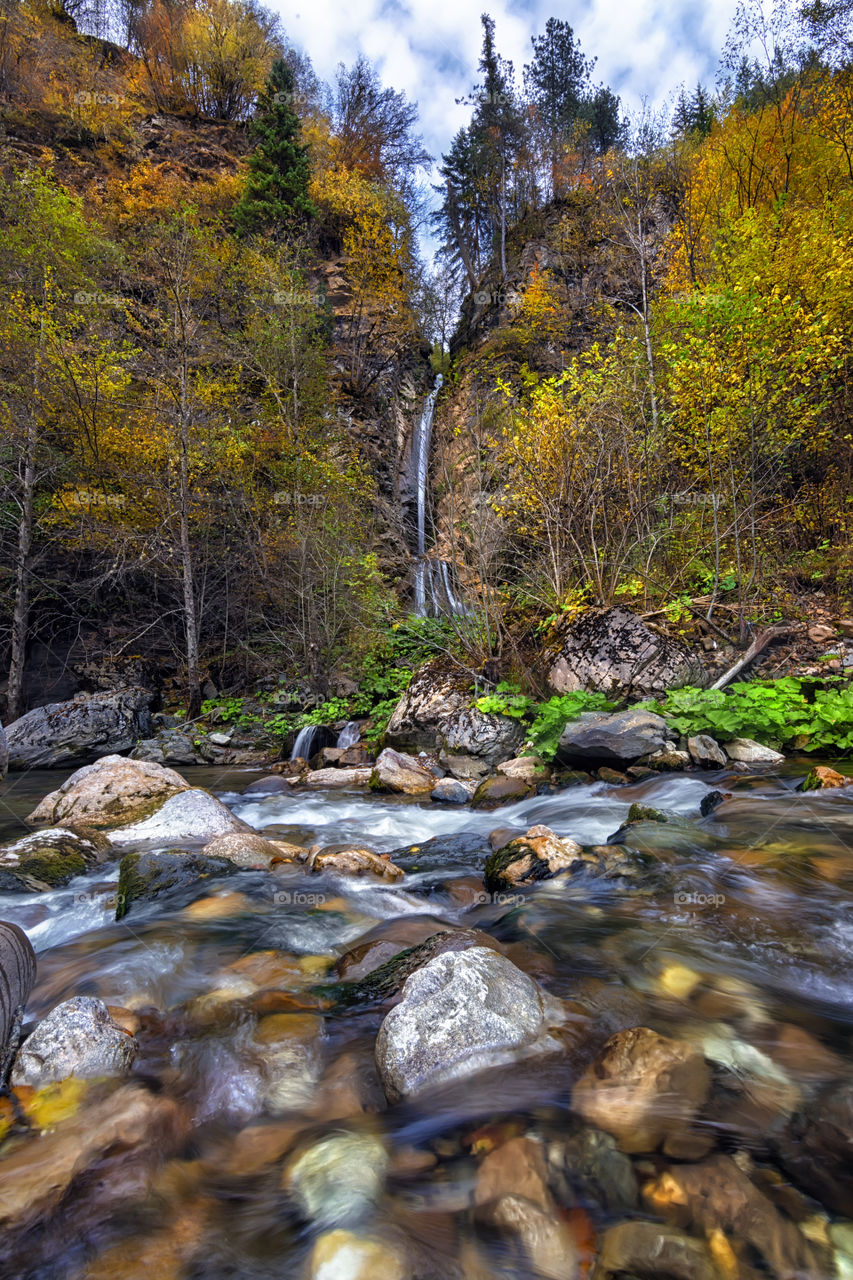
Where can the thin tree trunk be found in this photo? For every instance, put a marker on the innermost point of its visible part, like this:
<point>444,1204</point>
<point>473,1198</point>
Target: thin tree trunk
<point>21,609</point>
<point>190,611</point>
<point>503,217</point>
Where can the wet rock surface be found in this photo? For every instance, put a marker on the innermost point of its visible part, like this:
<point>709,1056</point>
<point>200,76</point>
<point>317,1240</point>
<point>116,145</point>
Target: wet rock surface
<point>77,1038</point>
<point>538,855</point>
<point>396,771</point>
<point>645,1089</point>
<point>17,976</point>
<point>459,1013</point>
<point>716,1196</point>
<point>48,859</point>
<point>499,790</point>
<point>178,876</point>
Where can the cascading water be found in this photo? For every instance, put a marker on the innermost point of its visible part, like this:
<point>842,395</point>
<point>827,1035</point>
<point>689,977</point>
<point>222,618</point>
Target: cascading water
<point>304,741</point>
<point>424,588</point>
<point>348,736</point>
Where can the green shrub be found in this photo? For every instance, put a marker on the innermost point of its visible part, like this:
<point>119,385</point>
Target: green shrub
<point>552,717</point>
<point>775,712</point>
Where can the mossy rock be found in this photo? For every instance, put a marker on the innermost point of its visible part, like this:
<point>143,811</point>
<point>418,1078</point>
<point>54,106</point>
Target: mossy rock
<point>48,859</point>
<point>645,813</point>
<point>385,981</point>
<point>498,790</point>
<point>144,877</point>
<point>526,860</point>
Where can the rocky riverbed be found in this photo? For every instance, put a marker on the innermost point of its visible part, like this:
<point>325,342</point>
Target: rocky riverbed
<point>348,1034</point>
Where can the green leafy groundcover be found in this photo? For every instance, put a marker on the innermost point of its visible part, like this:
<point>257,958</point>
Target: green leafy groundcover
<point>547,720</point>
<point>810,715</point>
<point>788,711</point>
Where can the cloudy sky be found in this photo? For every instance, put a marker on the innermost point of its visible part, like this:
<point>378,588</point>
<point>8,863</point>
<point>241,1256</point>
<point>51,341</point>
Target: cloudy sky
<point>430,48</point>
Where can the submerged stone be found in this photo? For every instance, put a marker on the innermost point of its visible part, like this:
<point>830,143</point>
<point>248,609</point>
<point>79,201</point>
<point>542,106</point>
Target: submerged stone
<point>459,1014</point>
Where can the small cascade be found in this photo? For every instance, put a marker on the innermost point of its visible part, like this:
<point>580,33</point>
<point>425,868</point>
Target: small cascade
<point>348,736</point>
<point>439,595</point>
<point>304,742</point>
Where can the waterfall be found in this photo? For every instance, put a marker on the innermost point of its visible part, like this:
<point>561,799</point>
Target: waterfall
<point>434,594</point>
<point>304,739</point>
<point>423,434</point>
<point>348,736</point>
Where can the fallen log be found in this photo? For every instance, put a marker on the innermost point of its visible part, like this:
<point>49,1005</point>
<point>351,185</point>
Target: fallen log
<point>759,644</point>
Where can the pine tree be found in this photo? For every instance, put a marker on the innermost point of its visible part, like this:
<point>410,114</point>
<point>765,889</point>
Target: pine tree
<point>694,114</point>
<point>497,132</point>
<point>463,219</point>
<point>556,82</point>
<point>276,191</point>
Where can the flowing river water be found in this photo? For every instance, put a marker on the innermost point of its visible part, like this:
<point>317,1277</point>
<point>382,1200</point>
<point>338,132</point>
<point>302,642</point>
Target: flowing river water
<point>738,936</point>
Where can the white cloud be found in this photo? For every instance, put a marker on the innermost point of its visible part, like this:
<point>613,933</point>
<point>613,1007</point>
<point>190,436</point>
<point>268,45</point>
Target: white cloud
<point>430,48</point>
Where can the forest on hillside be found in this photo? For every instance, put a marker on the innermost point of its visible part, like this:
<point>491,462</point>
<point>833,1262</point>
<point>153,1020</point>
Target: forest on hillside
<point>215,273</point>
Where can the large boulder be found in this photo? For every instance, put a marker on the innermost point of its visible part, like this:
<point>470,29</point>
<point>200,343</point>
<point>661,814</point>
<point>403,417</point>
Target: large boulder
<point>91,725</point>
<point>615,652</point>
<point>395,771</point>
<point>17,975</point>
<point>111,792</point>
<point>460,1013</point>
<point>435,692</point>
<point>193,816</point>
<point>77,1038</point>
<point>618,738</point>
<point>472,743</point>
<point>48,859</point>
